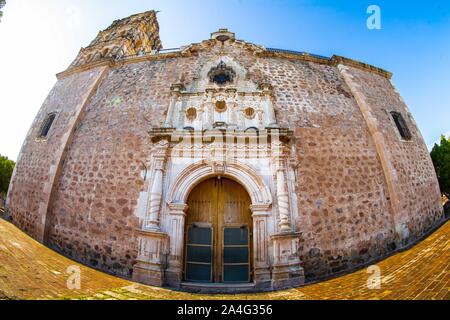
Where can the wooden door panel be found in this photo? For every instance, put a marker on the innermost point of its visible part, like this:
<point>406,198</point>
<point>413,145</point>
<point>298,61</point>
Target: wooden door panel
<point>199,254</point>
<point>201,211</point>
<point>236,203</point>
<point>203,203</point>
<point>236,253</point>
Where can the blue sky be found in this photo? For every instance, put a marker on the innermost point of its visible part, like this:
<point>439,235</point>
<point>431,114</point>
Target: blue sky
<point>41,38</point>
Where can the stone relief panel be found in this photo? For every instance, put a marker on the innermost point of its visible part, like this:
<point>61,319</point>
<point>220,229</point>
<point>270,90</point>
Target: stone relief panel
<point>231,102</point>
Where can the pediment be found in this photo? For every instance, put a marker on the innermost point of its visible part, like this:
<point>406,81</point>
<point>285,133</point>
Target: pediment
<point>217,46</point>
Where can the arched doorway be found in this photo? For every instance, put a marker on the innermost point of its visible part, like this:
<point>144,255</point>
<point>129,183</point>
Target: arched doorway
<point>218,233</point>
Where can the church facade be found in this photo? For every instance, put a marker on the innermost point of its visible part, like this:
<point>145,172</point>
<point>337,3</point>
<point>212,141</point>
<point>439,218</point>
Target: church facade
<point>222,164</point>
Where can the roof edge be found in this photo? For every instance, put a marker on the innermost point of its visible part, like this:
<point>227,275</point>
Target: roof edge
<point>265,52</point>
<point>361,65</point>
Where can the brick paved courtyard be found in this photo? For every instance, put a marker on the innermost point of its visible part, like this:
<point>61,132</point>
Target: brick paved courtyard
<point>29,270</point>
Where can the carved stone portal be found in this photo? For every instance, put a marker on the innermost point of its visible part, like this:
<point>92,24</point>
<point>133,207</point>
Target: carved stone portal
<point>220,130</point>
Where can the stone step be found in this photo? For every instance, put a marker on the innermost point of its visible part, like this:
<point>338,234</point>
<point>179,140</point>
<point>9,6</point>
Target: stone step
<point>197,287</point>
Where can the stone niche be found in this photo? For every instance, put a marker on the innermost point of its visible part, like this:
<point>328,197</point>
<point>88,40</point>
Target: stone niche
<point>226,127</point>
<point>225,100</point>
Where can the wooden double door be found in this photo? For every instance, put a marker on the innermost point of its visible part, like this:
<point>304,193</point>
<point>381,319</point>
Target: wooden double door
<point>218,235</point>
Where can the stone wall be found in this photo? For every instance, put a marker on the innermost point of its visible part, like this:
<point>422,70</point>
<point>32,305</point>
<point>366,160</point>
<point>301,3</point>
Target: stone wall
<point>418,192</point>
<point>344,216</point>
<point>40,159</point>
<point>92,217</point>
<point>344,209</point>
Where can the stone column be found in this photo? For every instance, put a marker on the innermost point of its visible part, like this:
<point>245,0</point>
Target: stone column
<point>155,200</point>
<point>241,118</point>
<point>169,117</point>
<point>233,115</point>
<point>286,266</point>
<point>175,229</point>
<point>283,202</point>
<point>261,263</point>
<point>205,114</point>
<point>208,119</point>
<point>176,90</point>
<point>233,108</point>
<point>154,205</point>
<point>260,118</point>
<point>153,247</point>
<point>266,94</point>
<point>270,113</point>
<point>281,185</point>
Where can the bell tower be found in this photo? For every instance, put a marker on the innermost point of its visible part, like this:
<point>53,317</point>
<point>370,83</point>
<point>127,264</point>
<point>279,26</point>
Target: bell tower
<point>132,36</point>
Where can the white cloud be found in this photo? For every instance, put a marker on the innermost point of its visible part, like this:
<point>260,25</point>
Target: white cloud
<point>73,15</point>
<point>35,52</point>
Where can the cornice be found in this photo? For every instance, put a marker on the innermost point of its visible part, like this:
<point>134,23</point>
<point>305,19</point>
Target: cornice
<point>85,67</point>
<point>360,65</point>
<point>303,56</point>
<point>193,49</point>
<point>333,61</point>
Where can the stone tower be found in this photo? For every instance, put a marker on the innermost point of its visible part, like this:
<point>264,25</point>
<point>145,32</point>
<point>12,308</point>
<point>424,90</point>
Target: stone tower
<point>132,36</point>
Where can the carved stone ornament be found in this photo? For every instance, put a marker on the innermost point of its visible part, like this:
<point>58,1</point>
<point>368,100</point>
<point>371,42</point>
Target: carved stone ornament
<point>222,74</point>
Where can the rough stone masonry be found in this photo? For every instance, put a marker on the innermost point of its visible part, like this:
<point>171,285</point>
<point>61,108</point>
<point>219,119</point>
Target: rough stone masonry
<point>335,166</point>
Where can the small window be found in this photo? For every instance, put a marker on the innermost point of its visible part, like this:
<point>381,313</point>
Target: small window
<point>221,74</point>
<point>221,106</point>
<point>249,113</point>
<point>47,125</point>
<point>221,78</point>
<point>401,125</point>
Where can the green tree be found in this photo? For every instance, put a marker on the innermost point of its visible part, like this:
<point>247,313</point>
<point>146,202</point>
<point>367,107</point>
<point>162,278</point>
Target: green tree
<point>6,170</point>
<point>441,160</point>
